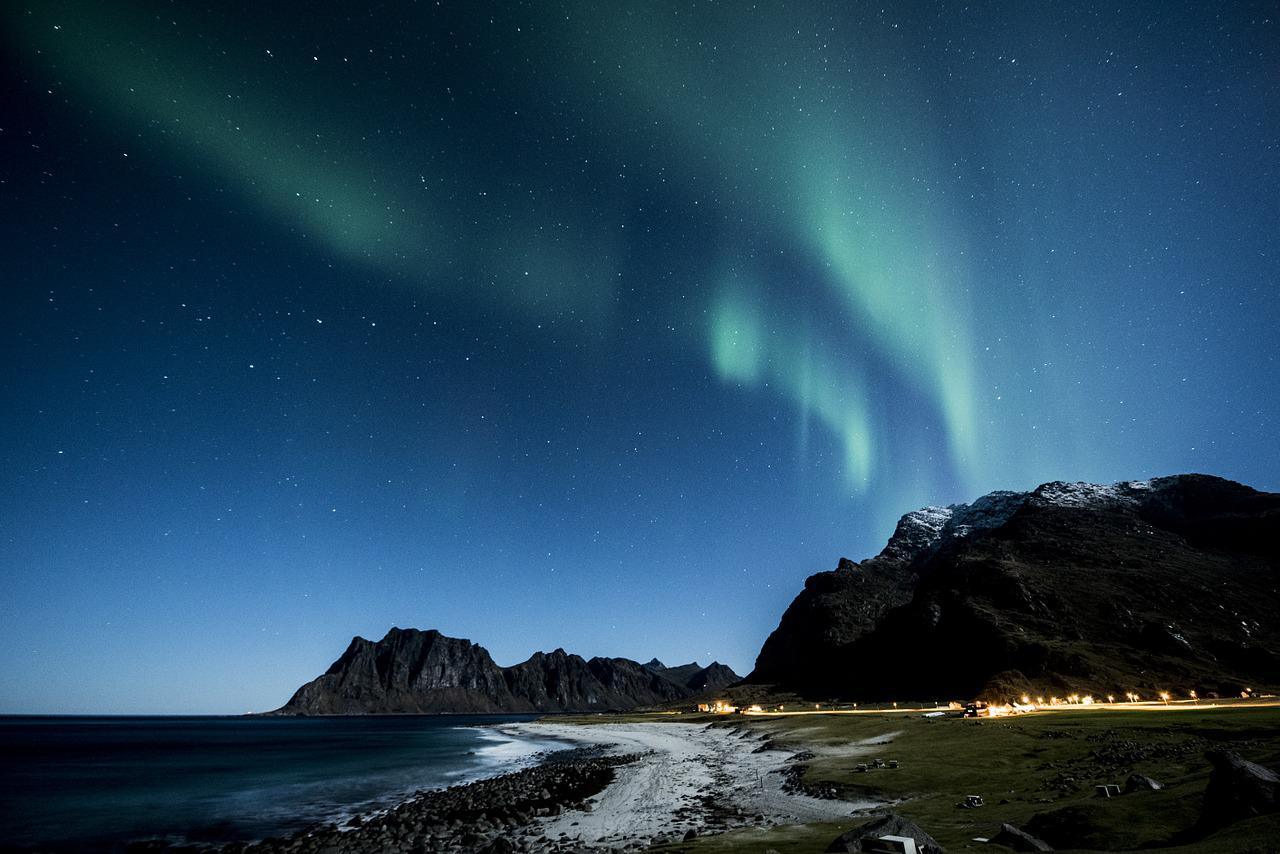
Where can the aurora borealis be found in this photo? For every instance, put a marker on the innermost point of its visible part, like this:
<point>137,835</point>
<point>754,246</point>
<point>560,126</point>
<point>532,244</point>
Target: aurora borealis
<point>594,326</point>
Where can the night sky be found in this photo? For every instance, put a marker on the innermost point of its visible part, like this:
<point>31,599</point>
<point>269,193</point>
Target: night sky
<point>589,325</point>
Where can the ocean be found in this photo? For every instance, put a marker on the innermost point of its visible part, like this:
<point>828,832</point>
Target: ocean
<point>97,783</point>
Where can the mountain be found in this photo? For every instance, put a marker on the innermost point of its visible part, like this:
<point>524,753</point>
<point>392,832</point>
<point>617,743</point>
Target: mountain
<point>417,672</point>
<point>694,676</point>
<point>408,671</point>
<point>558,681</point>
<point>1168,584</point>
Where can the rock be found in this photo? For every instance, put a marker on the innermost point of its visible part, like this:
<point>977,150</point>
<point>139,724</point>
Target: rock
<point>461,819</point>
<point>886,825</point>
<point>1141,783</point>
<point>1088,825</point>
<point>1019,840</point>
<point>1237,789</point>
<point>690,835</point>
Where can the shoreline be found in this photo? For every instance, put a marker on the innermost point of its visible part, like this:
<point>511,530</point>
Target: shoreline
<point>478,815</point>
<point>689,780</point>
<point>615,785</point>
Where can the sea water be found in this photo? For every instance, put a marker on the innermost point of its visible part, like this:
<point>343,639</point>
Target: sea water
<point>79,783</point>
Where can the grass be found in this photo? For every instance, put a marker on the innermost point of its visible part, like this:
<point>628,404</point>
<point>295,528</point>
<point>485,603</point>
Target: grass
<point>1022,766</point>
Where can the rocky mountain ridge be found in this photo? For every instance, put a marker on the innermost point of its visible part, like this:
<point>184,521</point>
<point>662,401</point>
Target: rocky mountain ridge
<point>694,676</point>
<point>425,672</point>
<point>1164,584</point>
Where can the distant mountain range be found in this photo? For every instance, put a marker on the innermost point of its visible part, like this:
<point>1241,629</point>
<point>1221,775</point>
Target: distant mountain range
<point>417,672</point>
<point>694,677</point>
<point>1171,584</point>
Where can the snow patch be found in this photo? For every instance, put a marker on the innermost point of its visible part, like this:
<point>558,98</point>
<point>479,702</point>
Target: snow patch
<point>926,524</point>
<point>1092,494</point>
<point>916,532</point>
<point>929,528</point>
<point>985,514</point>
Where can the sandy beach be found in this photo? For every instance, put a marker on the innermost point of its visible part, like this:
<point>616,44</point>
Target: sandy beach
<point>690,777</point>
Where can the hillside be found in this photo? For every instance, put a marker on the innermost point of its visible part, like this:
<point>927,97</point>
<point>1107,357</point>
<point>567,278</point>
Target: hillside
<point>1145,586</point>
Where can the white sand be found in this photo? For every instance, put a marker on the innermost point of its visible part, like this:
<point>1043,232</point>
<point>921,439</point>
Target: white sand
<point>693,777</point>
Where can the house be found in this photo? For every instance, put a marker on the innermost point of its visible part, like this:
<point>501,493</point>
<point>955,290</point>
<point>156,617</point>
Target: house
<point>717,707</point>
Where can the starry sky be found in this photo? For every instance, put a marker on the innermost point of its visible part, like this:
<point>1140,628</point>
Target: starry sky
<point>594,325</point>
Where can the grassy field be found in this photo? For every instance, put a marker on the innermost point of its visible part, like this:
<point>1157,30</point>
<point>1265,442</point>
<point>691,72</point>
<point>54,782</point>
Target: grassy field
<point>1022,766</point>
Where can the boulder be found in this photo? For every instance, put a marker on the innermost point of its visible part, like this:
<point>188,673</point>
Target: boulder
<point>1080,825</point>
<point>1141,783</point>
<point>501,845</point>
<point>1019,840</point>
<point>1238,789</point>
<point>886,825</point>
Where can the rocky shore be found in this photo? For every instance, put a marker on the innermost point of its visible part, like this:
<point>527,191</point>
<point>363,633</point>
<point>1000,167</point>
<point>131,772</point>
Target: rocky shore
<point>498,815</point>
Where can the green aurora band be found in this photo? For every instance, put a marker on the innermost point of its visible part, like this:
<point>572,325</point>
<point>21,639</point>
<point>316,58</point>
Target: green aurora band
<point>764,132</point>
<point>832,174</point>
<point>369,202</point>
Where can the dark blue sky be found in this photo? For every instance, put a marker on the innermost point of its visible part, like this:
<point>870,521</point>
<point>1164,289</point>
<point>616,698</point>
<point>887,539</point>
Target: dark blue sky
<point>589,326</point>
